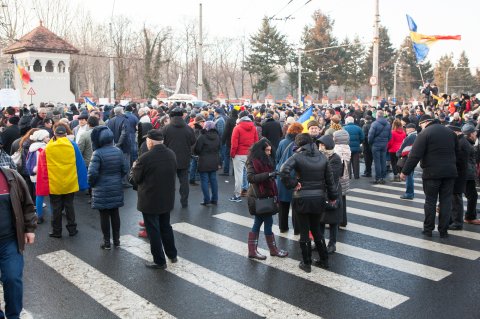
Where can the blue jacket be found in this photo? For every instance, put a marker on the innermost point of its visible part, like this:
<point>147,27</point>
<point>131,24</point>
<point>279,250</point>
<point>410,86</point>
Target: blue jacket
<point>284,194</point>
<point>380,133</point>
<point>106,170</point>
<point>356,136</point>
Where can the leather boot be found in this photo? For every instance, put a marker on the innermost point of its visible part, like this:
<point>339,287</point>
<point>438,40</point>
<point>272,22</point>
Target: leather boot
<point>272,245</point>
<point>252,247</point>
<point>306,263</point>
<point>322,253</point>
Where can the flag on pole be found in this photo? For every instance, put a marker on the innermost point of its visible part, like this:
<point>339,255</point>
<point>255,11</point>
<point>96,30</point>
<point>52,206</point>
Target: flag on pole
<point>90,104</point>
<point>24,74</point>
<point>306,118</point>
<point>421,42</point>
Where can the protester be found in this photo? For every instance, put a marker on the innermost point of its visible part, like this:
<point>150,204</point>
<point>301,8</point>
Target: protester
<point>207,148</point>
<point>227,140</point>
<point>120,126</point>
<point>272,130</point>
<point>397,137</point>
<point>356,139</point>
<point>261,176</point>
<point>284,152</point>
<point>105,174</point>
<point>342,148</point>
<point>402,154</point>
<point>436,147</point>
<point>313,186</point>
<point>18,222</point>
<point>378,137</point>
<point>156,200</point>
<point>367,148</point>
<point>180,138</point>
<point>11,133</point>
<point>61,173</point>
<point>244,135</point>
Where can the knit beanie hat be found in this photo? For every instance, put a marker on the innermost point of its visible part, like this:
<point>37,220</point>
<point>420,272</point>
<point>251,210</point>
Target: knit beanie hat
<point>39,135</point>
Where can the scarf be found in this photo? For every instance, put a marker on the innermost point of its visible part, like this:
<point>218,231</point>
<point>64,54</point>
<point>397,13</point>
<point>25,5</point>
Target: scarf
<point>268,187</point>
<point>328,153</point>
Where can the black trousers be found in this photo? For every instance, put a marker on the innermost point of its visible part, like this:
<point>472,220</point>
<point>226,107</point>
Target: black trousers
<point>283,217</point>
<point>182,175</point>
<point>160,233</point>
<point>472,196</point>
<point>58,203</point>
<point>457,209</point>
<point>31,187</point>
<point>438,189</point>
<point>368,157</point>
<point>393,161</point>
<point>110,217</point>
<point>309,222</point>
<point>354,165</point>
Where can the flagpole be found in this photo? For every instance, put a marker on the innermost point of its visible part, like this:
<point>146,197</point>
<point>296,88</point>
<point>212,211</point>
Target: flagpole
<point>421,74</point>
<point>376,41</point>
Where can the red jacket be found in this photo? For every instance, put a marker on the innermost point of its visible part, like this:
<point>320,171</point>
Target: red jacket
<point>396,141</point>
<point>244,135</point>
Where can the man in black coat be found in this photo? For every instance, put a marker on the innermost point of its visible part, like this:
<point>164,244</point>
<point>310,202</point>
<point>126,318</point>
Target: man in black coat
<point>11,133</point>
<point>272,131</point>
<point>179,137</point>
<point>154,175</point>
<point>470,188</point>
<point>120,126</point>
<point>39,118</point>
<point>367,149</point>
<point>436,147</point>
<point>461,180</point>
<point>227,140</point>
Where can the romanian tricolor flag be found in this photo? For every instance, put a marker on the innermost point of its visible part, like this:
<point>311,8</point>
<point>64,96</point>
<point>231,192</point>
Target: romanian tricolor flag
<point>305,118</point>
<point>61,169</point>
<point>421,42</point>
<point>24,75</point>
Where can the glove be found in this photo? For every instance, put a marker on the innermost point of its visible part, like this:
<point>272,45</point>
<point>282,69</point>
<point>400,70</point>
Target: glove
<point>272,174</point>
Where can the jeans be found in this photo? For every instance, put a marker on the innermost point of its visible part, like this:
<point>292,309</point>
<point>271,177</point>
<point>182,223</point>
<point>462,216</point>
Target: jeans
<point>39,203</point>
<point>226,160</point>
<point>11,267</point>
<point>112,216</point>
<point>379,157</point>
<point>409,183</point>
<point>238,169</point>
<point>438,189</point>
<point>161,237</point>
<point>57,204</point>
<point>209,178</point>
<point>266,220</point>
<point>354,165</point>
<point>244,180</point>
<point>333,233</point>
<point>126,159</point>
<point>193,169</point>
<point>182,175</point>
<point>472,196</point>
<point>367,156</point>
<point>223,147</point>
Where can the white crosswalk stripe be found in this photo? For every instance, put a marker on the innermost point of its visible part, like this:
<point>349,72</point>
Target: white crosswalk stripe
<point>373,257</point>
<point>116,298</point>
<point>352,287</point>
<point>253,300</point>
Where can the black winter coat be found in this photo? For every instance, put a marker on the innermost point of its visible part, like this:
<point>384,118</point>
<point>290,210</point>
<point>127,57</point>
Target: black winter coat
<point>207,148</point>
<point>179,137</point>
<point>10,134</point>
<point>366,129</point>
<point>315,176</point>
<point>462,164</point>
<point>120,127</point>
<point>154,174</point>
<point>436,148</point>
<point>335,216</point>
<point>227,133</point>
<point>106,170</point>
<point>472,162</point>
<point>272,131</point>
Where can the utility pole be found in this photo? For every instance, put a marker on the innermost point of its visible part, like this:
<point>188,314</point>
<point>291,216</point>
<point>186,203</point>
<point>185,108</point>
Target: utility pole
<point>376,42</point>
<point>200,58</point>
<point>112,70</point>
<point>299,99</point>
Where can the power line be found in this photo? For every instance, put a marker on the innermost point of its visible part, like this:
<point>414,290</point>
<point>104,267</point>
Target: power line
<point>280,10</point>
<point>308,1</point>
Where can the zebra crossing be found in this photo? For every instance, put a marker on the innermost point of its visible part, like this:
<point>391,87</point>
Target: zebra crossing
<point>387,258</point>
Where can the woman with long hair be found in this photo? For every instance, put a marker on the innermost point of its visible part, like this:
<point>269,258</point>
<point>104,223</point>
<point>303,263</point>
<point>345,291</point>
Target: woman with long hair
<point>261,176</point>
<point>313,185</point>
<point>398,135</point>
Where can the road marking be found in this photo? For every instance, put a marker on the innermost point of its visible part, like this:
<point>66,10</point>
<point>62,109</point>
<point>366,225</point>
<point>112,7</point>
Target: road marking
<point>387,261</point>
<point>408,222</point>
<point>118,299</point>
<point>383,204</point>
<point>251,299</point>
<point>349,286</point>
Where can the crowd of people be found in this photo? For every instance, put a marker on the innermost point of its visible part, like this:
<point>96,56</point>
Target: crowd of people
<point>278,163</point>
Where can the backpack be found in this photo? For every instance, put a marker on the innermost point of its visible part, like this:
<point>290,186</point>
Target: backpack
<point>31,163</point>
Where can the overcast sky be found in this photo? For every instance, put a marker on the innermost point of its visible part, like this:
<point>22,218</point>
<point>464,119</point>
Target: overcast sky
<point>234,18</point>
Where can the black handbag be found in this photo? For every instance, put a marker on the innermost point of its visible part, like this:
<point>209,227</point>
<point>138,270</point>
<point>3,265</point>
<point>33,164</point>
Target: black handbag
<point>264,205</point>
<point>401,161</point>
